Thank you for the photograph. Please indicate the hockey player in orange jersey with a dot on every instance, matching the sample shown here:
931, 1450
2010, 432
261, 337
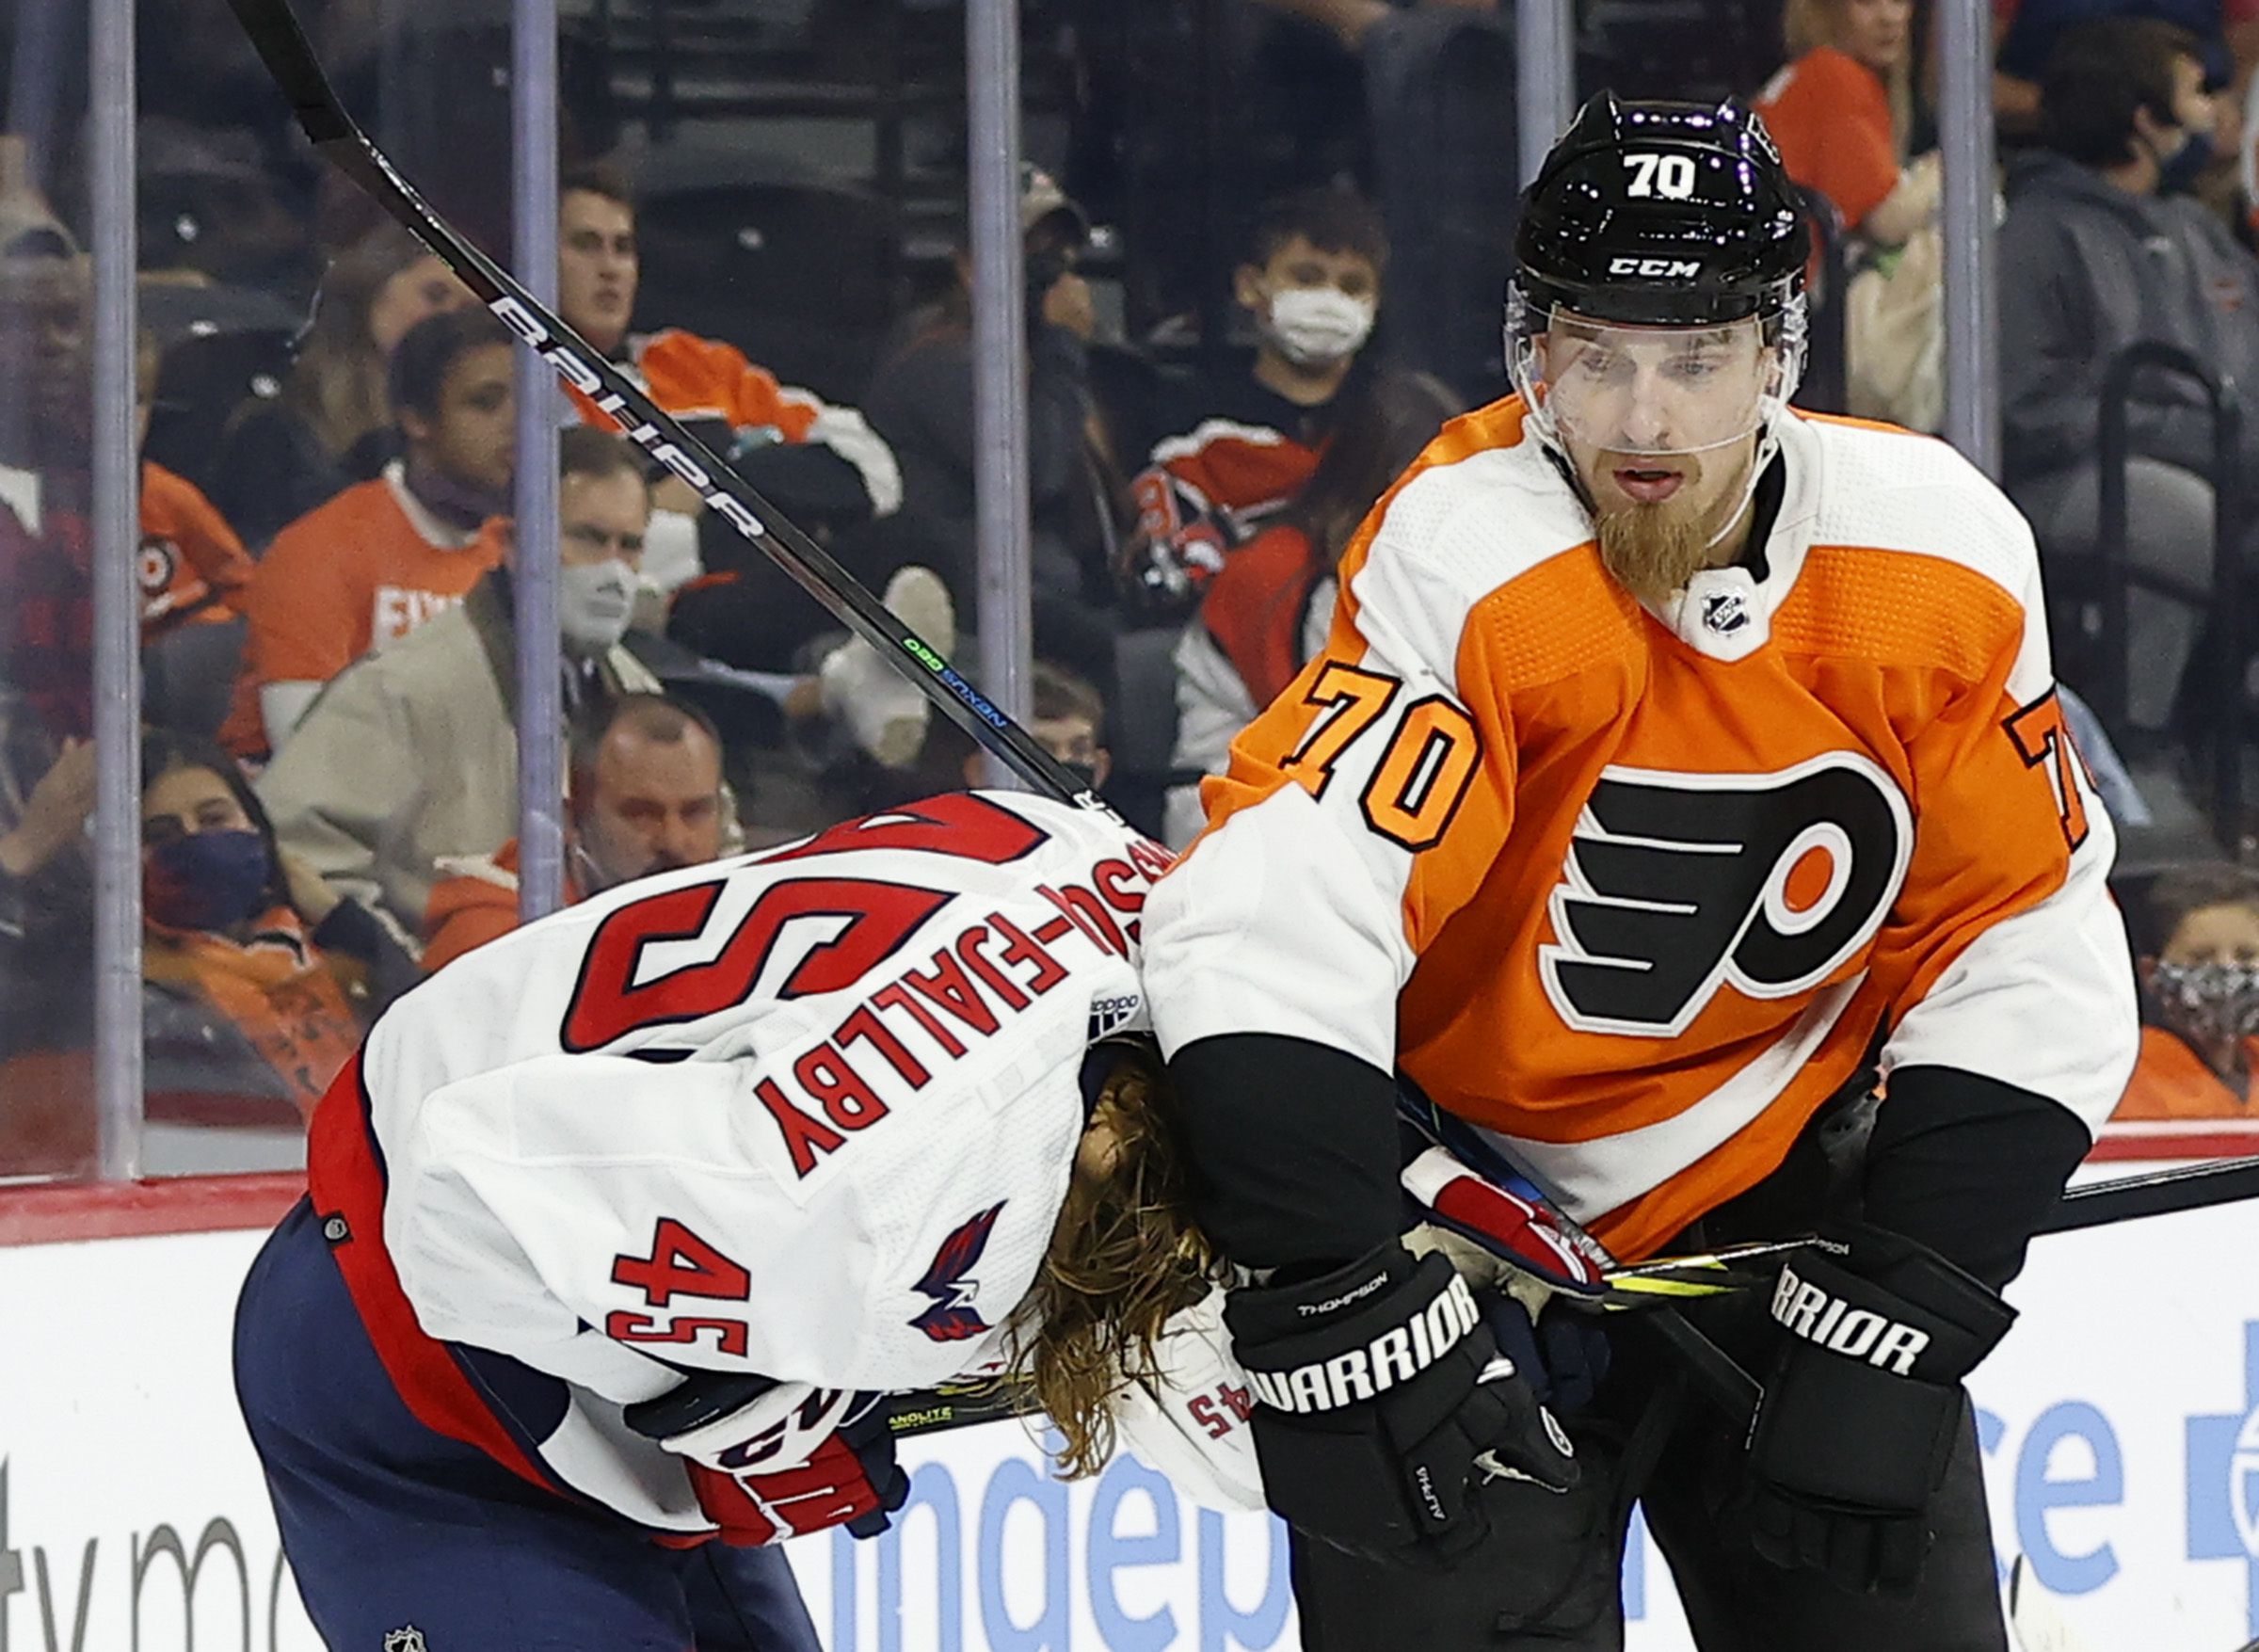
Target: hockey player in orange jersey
1675, 761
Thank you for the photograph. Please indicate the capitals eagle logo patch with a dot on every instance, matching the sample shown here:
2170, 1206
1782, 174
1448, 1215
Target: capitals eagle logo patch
949, 1281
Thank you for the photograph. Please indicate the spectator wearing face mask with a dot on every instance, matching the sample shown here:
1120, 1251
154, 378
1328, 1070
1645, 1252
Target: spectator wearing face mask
365, 569
647, 797
259, 980
2199, 1047
2099, 249
411, 754
1237, 451
1267, 611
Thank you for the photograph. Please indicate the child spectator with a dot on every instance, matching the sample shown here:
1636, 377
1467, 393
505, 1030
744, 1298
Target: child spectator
1233, 454
259, 980
1842, 114
385, 555
332, 424
194, 569
2202, 985
647, 797
1266, 611
1066, 716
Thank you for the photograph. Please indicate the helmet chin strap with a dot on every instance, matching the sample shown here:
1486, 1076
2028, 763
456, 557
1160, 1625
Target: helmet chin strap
1768, 443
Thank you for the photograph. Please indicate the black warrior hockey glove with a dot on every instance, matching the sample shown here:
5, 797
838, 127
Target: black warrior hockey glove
1377, 1389
1863, 1404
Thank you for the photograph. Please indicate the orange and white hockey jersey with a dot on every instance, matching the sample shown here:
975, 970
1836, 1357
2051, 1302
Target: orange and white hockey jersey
192, 568
1635, 890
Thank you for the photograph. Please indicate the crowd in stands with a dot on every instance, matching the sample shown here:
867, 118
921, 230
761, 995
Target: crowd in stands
329, 799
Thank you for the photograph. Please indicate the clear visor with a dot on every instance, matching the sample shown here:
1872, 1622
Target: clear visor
1650, 390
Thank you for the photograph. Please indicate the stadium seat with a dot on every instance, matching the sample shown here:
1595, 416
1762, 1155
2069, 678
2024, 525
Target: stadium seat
799, 275
201, 381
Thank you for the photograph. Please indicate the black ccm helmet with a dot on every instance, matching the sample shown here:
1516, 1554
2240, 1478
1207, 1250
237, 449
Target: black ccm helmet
1661, 215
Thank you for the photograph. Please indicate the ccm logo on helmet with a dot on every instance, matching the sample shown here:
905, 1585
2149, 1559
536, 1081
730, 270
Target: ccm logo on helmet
1394, 1357
1668, 269
1856, 1332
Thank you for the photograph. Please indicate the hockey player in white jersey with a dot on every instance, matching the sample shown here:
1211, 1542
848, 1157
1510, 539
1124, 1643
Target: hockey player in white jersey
848, 1116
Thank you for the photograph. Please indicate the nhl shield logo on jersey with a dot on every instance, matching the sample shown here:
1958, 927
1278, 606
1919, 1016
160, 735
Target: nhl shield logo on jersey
1678, 884
949, 1281
1724, 612
407, 1640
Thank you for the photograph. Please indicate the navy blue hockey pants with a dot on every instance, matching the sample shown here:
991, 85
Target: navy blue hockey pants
391, 1527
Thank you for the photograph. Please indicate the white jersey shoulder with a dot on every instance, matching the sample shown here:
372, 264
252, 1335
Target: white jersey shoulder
1888, 489
1455, 533
807, 1113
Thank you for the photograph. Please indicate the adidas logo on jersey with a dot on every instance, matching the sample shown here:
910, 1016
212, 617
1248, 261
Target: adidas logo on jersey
1395, 1356
1856, 1332
1109, 1015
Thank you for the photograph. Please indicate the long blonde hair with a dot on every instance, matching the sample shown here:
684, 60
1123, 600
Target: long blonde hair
337, 383
1125, 1256
1808, 25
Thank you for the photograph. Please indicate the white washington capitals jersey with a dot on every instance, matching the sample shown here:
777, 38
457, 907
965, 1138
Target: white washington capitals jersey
807, 1115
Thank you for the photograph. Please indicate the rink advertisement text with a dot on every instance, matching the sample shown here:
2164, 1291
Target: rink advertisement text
133, 1517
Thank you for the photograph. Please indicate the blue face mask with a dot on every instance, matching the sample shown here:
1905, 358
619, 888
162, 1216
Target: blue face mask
205, 880
2177, 172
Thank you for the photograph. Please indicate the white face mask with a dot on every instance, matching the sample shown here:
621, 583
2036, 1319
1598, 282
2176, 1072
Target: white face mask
595, 601
1314, 327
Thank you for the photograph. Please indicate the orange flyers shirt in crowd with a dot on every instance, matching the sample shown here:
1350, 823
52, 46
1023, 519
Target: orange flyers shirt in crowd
275, 990
2170, 1080
193, 568
362, 572
1830, 115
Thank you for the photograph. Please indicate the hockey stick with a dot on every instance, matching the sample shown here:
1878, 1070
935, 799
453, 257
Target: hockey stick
2161, 1192
955, 1405
1735, 1390
291, 64
1642, 1287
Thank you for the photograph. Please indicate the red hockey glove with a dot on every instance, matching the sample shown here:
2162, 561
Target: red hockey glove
1518, 1231
785, 1461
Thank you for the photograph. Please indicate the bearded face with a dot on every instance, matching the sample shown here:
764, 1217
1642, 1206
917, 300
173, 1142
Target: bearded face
1661, 521
1661, 425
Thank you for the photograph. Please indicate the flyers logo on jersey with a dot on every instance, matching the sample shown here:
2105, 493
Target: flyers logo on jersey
1678, 884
